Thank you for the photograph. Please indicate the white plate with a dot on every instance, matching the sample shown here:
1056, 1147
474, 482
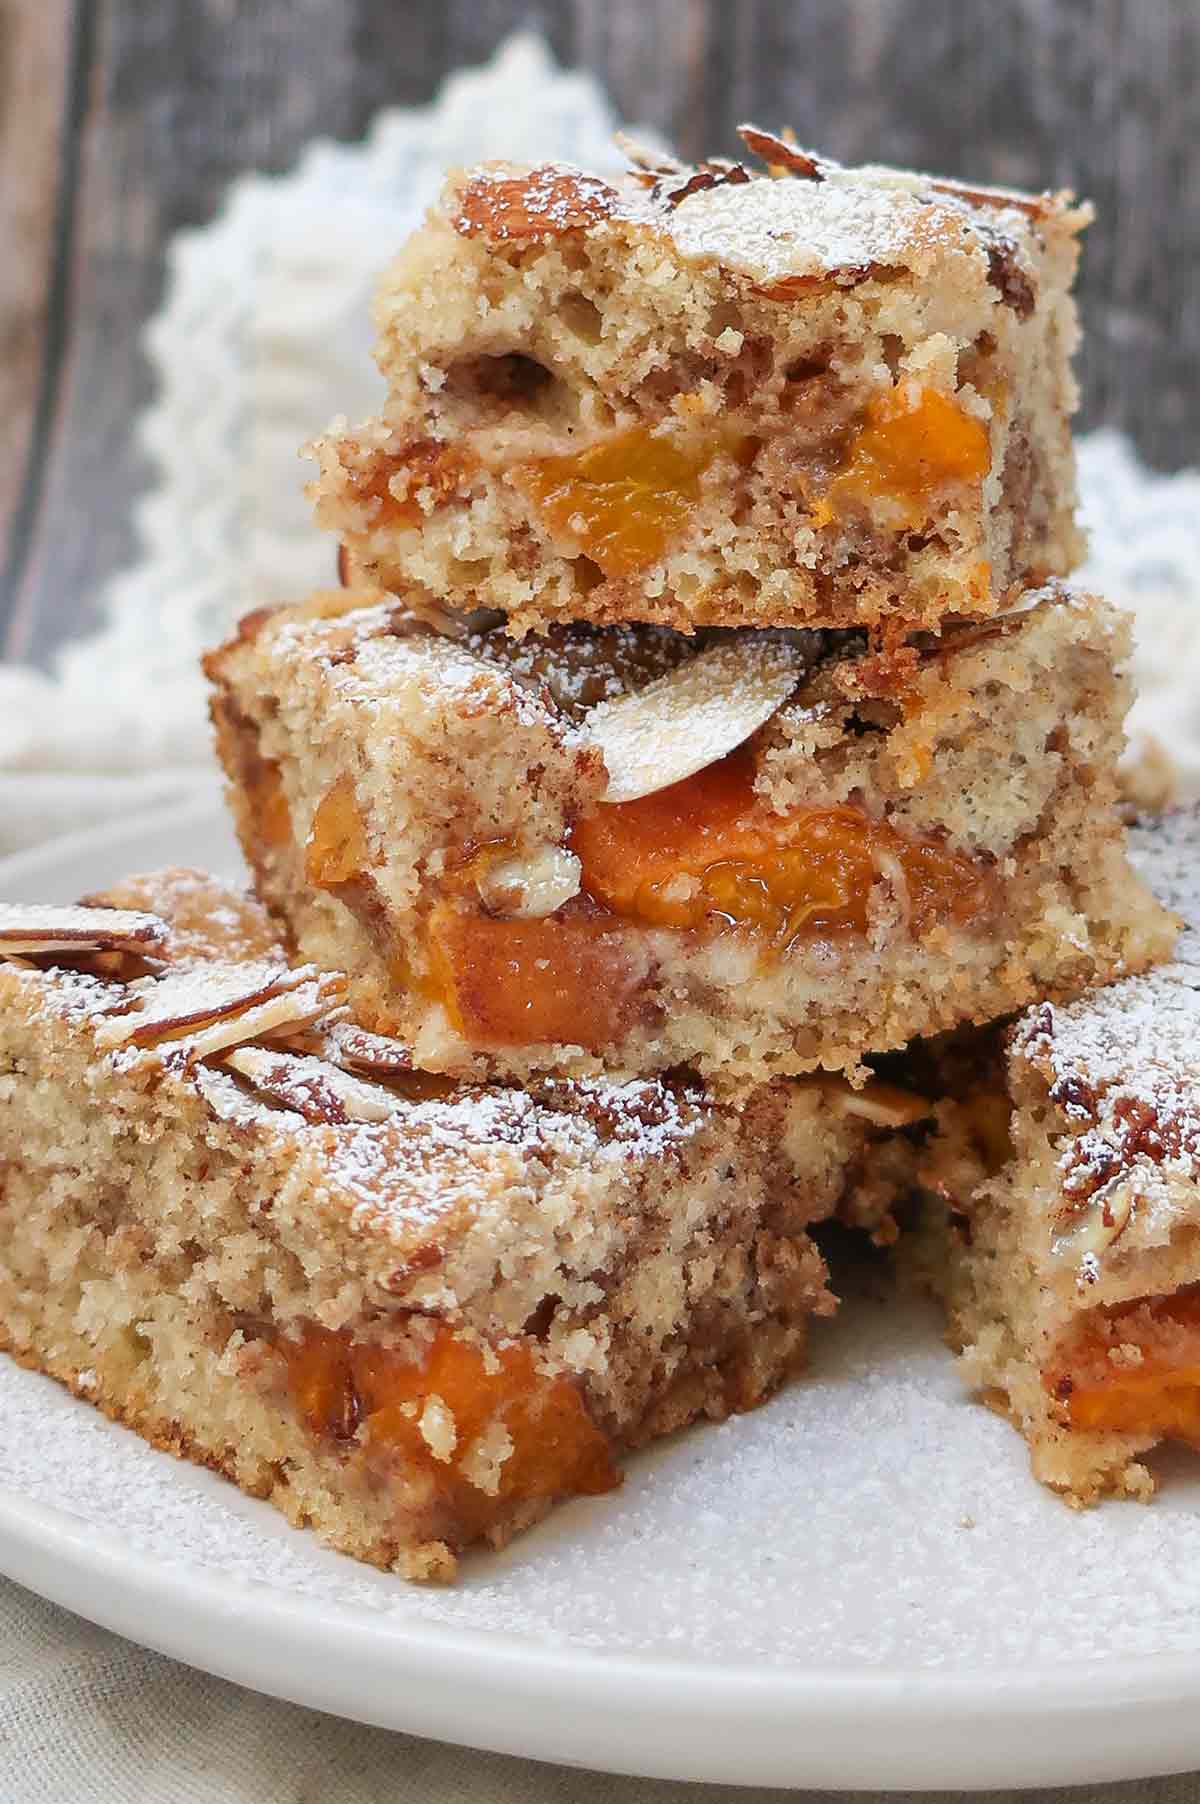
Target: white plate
857, 1586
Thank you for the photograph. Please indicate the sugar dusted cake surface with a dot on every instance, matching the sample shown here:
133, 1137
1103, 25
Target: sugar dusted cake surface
1071, 1266
411, 1313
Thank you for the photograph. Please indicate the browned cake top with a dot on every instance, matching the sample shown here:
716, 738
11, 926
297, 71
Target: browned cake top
805, 220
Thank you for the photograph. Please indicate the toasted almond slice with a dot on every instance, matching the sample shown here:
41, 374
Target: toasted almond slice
778, 154
692, 716
647, 157
290, 1011
1035, 206
42, 927
373, 1055
1097, 1227
883, 1105
311, 1086
190, 999
533, 885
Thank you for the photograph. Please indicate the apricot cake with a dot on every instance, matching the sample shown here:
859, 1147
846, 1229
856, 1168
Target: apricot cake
805, 396
410, 1314
1067, 1231
630, 849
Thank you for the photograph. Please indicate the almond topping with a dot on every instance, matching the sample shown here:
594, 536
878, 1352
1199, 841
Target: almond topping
311, 1087
544, 203
532, 886
1086, 1235
38, 928
693, 716
883, 1105
213, 1006
779, 154
373, 1054
1034, 206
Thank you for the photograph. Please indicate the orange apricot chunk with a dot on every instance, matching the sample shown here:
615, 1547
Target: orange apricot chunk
908, 450
1165, 1404
336, 850
619, 502
540, 1440
705, 852
567, 980
1158, 1395
268, 803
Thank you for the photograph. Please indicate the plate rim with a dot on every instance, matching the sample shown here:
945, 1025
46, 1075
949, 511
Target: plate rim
644, 1714
18, 867
648, 1716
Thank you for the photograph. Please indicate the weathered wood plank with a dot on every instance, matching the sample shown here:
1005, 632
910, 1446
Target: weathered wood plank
35, 44
183, 95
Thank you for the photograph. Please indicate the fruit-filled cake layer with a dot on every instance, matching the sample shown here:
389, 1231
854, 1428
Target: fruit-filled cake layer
412, 1315
719, 396
1065, 1209
628, 849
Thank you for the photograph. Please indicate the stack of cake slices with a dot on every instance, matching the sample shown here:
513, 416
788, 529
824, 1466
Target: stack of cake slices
701, 766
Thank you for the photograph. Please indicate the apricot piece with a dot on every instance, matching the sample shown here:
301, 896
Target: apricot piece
565, 979
622, 501
1159, 1395
1165, 1404
427, 467
268, 803
320, 1381
342, 1388
705, 852
908, 451
336, 850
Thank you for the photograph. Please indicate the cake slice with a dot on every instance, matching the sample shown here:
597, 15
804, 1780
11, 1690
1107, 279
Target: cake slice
626, 849
409, 1314
805, 395
1065, 1210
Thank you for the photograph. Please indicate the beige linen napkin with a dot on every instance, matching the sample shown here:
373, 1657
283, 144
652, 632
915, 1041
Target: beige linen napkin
86, 1718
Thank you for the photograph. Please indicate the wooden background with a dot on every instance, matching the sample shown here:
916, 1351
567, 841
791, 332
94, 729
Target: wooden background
122, 120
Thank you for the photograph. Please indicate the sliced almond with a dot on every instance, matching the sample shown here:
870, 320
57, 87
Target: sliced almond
311, 1086
532, 886
38, 928
692, 716
219, 1004
1034, 206
883, 1105
648, 157
374, 1055
1099, 1226
778, 154
536, 206
291, 1011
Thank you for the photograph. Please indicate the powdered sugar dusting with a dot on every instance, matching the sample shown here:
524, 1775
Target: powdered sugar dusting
774, 229
870, 1516
398, 1166
692, 716
1123, 1064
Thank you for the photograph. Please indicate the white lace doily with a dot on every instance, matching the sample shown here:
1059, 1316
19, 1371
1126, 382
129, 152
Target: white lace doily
264, 336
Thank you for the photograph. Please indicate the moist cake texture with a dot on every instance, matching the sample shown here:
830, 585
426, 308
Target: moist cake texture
410, 1314
629, 849
719, 396
1066, 1225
